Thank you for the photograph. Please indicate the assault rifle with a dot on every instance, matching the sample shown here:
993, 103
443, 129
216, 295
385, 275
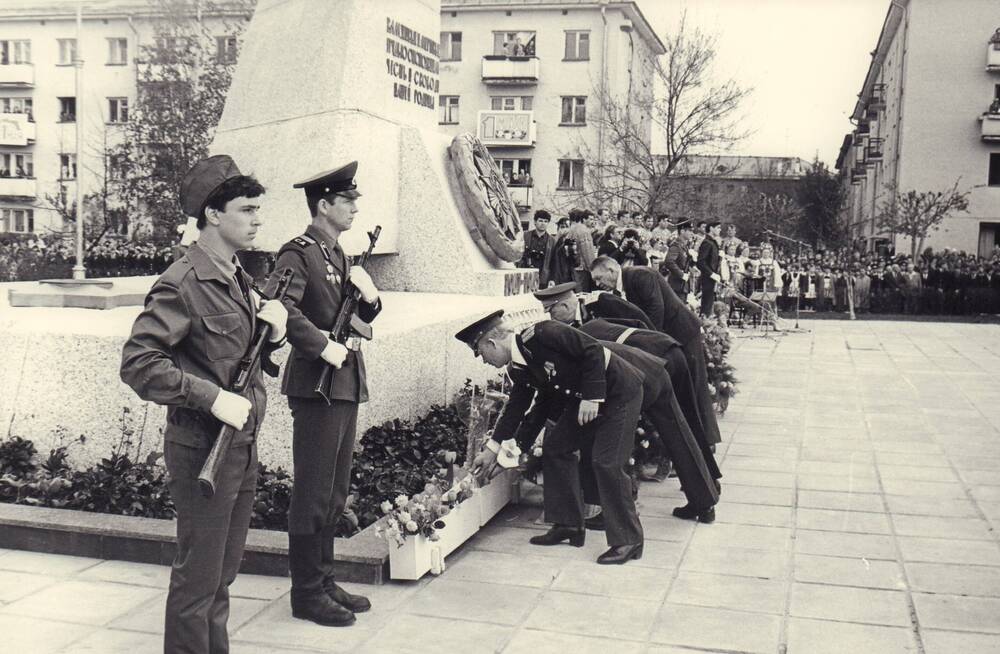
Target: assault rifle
241, 379
347, 320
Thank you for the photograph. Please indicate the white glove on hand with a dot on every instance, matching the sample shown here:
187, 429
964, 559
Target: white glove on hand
363, 282
685, 276
274, 313
334, 353
231, 409
715, 276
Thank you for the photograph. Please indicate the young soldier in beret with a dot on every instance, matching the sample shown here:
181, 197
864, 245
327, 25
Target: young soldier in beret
198, 321
594, 397
323, 434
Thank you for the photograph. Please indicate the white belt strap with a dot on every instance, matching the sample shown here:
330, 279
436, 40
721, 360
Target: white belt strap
624, 335
607, 357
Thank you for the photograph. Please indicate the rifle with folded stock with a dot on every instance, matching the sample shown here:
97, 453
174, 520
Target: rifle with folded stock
241, 379
347, 320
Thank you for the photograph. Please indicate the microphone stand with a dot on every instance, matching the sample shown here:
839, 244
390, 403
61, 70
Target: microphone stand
798, 294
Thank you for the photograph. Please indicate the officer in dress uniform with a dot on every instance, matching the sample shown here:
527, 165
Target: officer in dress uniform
648, 290
594, 398
323, 434
198, 322
680, 428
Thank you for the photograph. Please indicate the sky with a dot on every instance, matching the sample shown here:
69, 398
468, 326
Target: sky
805, 59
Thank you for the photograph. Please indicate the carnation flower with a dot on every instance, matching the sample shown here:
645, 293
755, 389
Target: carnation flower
411, 527
402, 500
644, 443
450, 457
537, 452
386, 506
404, 516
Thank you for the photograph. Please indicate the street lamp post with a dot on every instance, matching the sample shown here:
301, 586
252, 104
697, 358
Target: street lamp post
79, 271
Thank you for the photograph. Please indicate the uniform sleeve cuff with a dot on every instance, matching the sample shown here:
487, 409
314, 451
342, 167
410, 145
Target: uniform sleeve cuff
203, 394
493, 446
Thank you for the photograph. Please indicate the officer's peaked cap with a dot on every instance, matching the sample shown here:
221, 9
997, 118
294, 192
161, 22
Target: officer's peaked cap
471, 334
339, 181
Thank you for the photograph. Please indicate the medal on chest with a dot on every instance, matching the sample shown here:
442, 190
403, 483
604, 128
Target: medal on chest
550, 370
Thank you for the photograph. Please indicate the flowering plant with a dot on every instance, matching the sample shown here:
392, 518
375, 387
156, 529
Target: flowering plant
424, 513
721, 374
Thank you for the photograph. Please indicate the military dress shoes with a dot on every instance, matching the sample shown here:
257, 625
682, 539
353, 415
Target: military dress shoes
557, 534
354, 603
596, 523
688, 512
621, 554
321, 610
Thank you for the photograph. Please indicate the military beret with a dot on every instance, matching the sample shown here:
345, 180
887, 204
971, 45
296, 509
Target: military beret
471, 334
339, 181
555, 293
202, 180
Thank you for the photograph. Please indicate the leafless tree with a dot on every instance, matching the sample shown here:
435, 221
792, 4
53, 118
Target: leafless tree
915, 214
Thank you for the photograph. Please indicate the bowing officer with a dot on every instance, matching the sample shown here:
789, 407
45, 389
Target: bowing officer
594, 398
647, 289
602, 304
677, 421
323, 433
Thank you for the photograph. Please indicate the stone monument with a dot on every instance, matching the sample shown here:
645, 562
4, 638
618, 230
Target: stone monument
322, 83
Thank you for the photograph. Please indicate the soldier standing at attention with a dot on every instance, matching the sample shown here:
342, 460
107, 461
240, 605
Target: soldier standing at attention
323, 434
198, 322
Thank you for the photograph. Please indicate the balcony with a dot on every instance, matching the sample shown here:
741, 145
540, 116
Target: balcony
864, 128
990, 126
16, 129
876, 102
859, 173
511, 129
17, 76
520, 194
18, 188
501, 69
873, 152
993, 53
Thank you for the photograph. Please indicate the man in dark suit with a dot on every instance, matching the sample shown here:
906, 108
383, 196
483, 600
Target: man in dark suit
593, 397
709, 265
675, 266
323, 433
649, 291
678, 423
602, 304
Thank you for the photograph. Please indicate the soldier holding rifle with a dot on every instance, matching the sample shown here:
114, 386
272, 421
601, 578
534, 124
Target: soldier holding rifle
324, 419
198, 323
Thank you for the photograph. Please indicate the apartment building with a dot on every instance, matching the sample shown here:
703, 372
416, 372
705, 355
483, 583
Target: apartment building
928, 115
39, 110
527, 77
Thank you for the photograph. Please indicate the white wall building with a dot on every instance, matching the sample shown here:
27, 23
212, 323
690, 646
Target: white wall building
526, 77
39, 110
923, 123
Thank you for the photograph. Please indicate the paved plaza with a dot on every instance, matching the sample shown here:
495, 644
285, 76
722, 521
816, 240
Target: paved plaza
860, 510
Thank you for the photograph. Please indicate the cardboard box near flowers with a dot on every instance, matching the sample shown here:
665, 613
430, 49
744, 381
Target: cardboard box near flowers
426, 528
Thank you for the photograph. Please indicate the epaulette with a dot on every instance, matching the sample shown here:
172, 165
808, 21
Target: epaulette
304, 241
528, 333
590, 298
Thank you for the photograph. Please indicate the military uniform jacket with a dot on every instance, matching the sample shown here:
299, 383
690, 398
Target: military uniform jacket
649, 291
313, 301
602, 304
187, 344
676, 264
562, 364
656, 343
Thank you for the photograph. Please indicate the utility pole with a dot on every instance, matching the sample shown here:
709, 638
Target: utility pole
79, 271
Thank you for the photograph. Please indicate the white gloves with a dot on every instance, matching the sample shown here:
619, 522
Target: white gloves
715, 277
334, 353
685, 276
231, 409
274, 313
364, 283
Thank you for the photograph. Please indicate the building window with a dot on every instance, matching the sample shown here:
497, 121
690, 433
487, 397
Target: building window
117, 110
511, 102
571, 174
15, 52
574, 110
994, 176
17, 220
16, 165
226, 49
67, 166
67, 51
17, 106
169, 49
449, 110
67, 110
117, 52
451, 46
577, 46
514, 44
516, 172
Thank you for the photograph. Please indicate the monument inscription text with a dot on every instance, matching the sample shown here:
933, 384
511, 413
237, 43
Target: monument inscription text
413, 64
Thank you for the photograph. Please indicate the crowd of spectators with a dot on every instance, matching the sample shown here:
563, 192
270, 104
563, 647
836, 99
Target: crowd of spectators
946, 282
35, 257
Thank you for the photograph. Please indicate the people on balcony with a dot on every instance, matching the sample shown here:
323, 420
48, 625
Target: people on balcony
994, 106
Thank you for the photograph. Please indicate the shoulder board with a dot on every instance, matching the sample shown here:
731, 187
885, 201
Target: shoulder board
304, 241
528, 333
590, 298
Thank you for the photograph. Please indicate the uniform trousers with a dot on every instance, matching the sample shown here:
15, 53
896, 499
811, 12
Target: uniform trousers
211, 534
687, 399
707, 296
608, 439
694, 352
322, 453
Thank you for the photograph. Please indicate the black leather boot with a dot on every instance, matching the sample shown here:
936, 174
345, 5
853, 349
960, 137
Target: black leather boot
354, 603
557, 534
309, 599
621, 554
688, 512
